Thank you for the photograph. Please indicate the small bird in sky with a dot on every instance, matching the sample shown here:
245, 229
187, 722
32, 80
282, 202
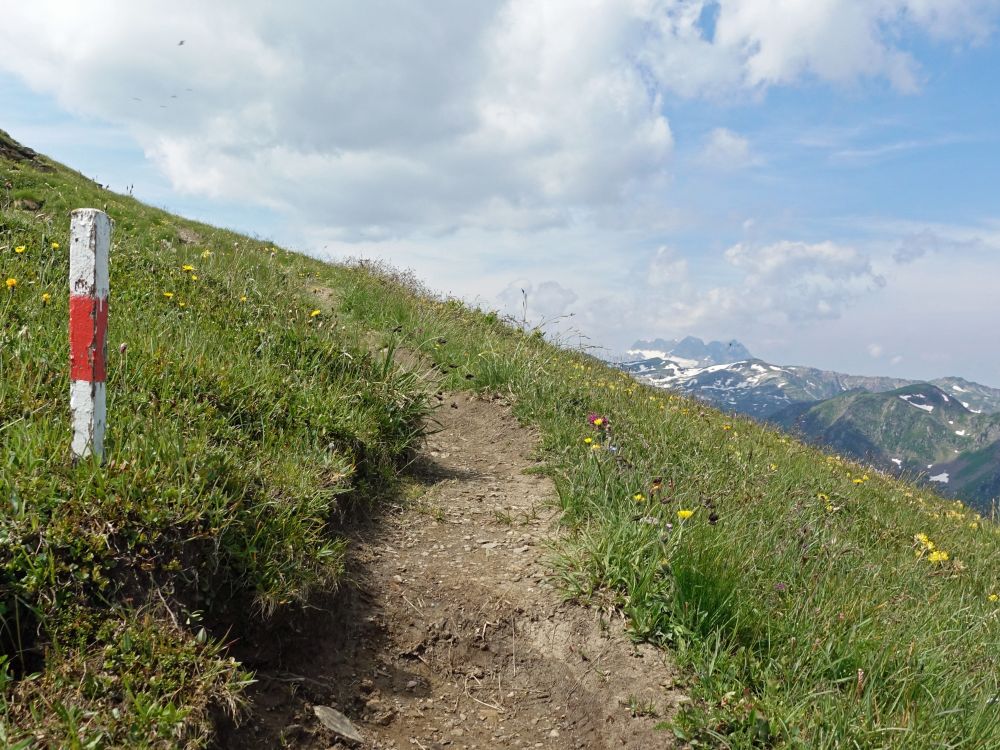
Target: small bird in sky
180, 43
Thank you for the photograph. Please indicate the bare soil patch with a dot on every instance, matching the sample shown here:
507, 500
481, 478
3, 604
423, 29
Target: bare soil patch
447, 634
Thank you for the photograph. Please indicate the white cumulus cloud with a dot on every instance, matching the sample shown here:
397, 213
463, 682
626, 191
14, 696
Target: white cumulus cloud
802, 280
390, 117
724, 149
540, 303
667, 267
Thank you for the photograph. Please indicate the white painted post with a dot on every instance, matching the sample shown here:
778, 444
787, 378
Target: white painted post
90, 239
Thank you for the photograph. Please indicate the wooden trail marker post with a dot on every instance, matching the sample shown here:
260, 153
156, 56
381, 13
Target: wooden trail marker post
90, 240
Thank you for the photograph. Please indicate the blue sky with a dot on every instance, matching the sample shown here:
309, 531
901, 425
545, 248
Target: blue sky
813, 177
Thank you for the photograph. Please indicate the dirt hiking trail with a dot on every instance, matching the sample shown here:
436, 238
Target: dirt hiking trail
446, 633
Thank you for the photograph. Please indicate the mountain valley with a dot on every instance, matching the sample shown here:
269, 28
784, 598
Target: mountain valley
945, 432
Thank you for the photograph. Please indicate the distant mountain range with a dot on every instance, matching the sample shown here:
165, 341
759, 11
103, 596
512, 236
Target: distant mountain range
692, 349
946, 431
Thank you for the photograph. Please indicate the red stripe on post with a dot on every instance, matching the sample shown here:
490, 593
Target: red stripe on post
88, 336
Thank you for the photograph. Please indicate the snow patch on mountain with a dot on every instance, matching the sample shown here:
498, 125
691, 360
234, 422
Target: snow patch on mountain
925, 407
665, 356
942, 477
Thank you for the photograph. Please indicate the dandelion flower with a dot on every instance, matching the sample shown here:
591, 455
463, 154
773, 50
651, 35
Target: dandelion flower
243, 298
684, 514
727, 427
55, 245
187, 267
168, 295
314, 313
937, 556
46, 298
11, 283
20, 249
588, 440
638, 497
194, 277
993, 597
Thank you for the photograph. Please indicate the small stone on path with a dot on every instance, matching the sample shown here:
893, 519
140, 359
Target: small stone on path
337, 723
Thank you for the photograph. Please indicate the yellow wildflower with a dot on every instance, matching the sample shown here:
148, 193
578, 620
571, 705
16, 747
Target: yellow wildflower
684, 514
20, 249
588, 440
638, 497
194, 277
11, 283
55, 245
182, 304
937, 556
727, 427
168, 295
822, 496
859, 481
243, 298
314, 313
187, 267
46, 298
206, 254
993, 597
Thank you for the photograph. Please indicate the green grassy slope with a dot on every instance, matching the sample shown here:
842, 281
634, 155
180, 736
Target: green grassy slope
238, 420
880, 427
812, 602
816, 603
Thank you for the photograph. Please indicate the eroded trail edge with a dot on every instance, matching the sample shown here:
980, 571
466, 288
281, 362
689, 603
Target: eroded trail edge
447, 632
